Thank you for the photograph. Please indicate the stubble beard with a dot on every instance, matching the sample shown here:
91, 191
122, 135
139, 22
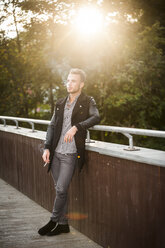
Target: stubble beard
74, 91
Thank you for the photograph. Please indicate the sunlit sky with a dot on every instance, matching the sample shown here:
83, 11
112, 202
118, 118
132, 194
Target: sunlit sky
87, 20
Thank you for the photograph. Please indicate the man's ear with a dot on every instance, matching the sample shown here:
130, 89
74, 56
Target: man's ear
81, 85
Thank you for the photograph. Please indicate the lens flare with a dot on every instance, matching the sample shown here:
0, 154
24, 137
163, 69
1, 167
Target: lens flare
76, 216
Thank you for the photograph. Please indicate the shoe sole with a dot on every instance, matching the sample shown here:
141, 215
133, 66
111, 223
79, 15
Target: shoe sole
50, 234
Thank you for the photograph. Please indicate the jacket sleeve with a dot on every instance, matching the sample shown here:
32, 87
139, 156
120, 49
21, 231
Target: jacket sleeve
93, 117
50, 132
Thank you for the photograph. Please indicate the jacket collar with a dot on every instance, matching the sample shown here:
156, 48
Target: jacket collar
81, 101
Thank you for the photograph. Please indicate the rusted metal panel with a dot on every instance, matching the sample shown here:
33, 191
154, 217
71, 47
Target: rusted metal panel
128, 199
21, 166
118, 203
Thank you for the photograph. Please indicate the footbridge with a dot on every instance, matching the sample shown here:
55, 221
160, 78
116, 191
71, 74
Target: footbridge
117, 201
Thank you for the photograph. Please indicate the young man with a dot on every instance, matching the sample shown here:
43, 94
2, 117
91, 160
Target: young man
65, 145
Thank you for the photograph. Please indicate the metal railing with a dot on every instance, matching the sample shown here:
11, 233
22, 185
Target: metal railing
27, 120
123, 130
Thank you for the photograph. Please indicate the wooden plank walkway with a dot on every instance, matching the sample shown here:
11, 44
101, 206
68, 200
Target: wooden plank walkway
20, 219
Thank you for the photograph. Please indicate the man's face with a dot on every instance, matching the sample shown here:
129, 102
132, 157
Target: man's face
74, 84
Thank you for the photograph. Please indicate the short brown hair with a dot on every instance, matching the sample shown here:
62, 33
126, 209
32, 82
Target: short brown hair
79, 72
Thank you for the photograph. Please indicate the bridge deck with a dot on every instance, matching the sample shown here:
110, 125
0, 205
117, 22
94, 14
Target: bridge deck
20, 218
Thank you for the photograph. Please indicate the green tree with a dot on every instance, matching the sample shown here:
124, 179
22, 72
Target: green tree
124, 65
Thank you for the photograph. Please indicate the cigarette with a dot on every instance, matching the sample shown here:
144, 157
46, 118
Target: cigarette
45, 164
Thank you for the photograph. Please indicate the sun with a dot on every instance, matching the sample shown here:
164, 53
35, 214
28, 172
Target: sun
88, 21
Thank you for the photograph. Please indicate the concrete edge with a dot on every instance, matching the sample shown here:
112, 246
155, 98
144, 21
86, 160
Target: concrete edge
143, 155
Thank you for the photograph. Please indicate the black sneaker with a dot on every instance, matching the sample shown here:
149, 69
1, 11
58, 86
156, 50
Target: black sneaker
59, 229
47, 228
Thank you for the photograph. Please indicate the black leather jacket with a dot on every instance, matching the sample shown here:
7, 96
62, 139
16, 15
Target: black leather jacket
85, 115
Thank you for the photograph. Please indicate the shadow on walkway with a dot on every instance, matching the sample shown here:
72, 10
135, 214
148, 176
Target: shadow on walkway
20, 219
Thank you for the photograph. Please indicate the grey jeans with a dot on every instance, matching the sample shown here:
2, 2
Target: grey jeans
62, 170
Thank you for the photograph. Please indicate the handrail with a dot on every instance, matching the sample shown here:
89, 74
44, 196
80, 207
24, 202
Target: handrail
126, 131
45, 122
137, 131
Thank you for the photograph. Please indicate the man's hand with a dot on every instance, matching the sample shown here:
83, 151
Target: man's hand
46, 156
70, 134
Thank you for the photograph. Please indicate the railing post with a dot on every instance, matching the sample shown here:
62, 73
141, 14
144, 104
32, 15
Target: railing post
4, 122
88, 137
131, 147
16, 122
32, 124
